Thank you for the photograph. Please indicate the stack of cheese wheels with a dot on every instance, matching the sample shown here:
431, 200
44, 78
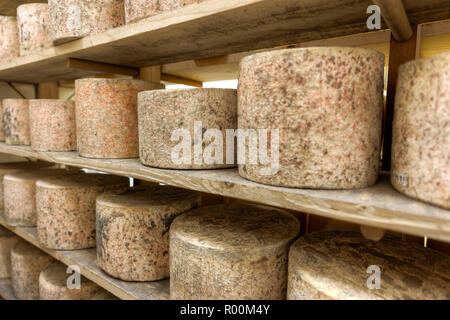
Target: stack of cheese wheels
421, 130
6, 168
343, 265
186, 128
7, 241
16, 121
139, 9
317, 113
74, 19
52, 125
133, 230
9, 38
234, 251
66, 208
19, 196
27, 262
34, 35
106, 116
57, 282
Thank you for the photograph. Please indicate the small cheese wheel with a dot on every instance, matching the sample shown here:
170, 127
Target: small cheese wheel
9, 38
231, 251
52, 125
343, 265
139, 9
133, 230
16, 121
421, 130
7, 241
327, 105
27, 262
194, 113
20, 195
33, 23
106, 116
74, 19
66, 208
55, 283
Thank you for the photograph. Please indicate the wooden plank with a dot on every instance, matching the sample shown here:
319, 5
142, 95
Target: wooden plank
394, 14
378, 206
180, 80
6, 291
8, 7
209, 29
86, 260
100, 67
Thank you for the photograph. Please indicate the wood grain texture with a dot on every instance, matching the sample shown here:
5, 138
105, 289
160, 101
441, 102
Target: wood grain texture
378, 206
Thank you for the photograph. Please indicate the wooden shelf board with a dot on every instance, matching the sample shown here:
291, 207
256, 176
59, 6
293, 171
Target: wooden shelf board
86, 260
6, 291
209, 29
379, 206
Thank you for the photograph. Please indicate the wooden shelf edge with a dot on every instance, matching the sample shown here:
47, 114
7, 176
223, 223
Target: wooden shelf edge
378, 206
85, 260
6, 291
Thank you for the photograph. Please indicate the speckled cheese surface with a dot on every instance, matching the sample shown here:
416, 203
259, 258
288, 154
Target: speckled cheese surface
333, 265
9, 38
54, 280
27, 262
20, 195
7, 241
231, 251
74, 19
52, 125
66, 208
327, 104
163, 112
421, 130
139, 9
106, 116
133, 230
33, 24
2, 135
16, 121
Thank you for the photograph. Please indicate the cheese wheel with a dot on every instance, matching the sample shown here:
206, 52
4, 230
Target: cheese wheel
16, 121
9, 38
27, 262
139, 9
57, 282
33, 23
66, 208
421, 130
317, 114
7, 241
20, 195
52, 125
133, 230
106, 116
170, 119
343, 265
2, 135
74, 19
232, 251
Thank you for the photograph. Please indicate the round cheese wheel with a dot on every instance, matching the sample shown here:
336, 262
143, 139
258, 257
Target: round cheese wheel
139, 9
16, 121
33, 23
9, 38
7, 241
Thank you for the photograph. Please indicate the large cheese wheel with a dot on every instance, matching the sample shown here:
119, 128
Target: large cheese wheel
106, 116
171, 119
52, 125
421, 130
133, 230
232, 251
16, 121
9, 38
344, 265
27, 262
74, 19
327, 105
33, 23
19, 196
55, 283
7, 241
139, 9
66, 208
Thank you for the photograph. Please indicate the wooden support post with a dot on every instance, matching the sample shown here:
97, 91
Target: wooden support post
48, 90
152, 73
395, 16
399, 53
